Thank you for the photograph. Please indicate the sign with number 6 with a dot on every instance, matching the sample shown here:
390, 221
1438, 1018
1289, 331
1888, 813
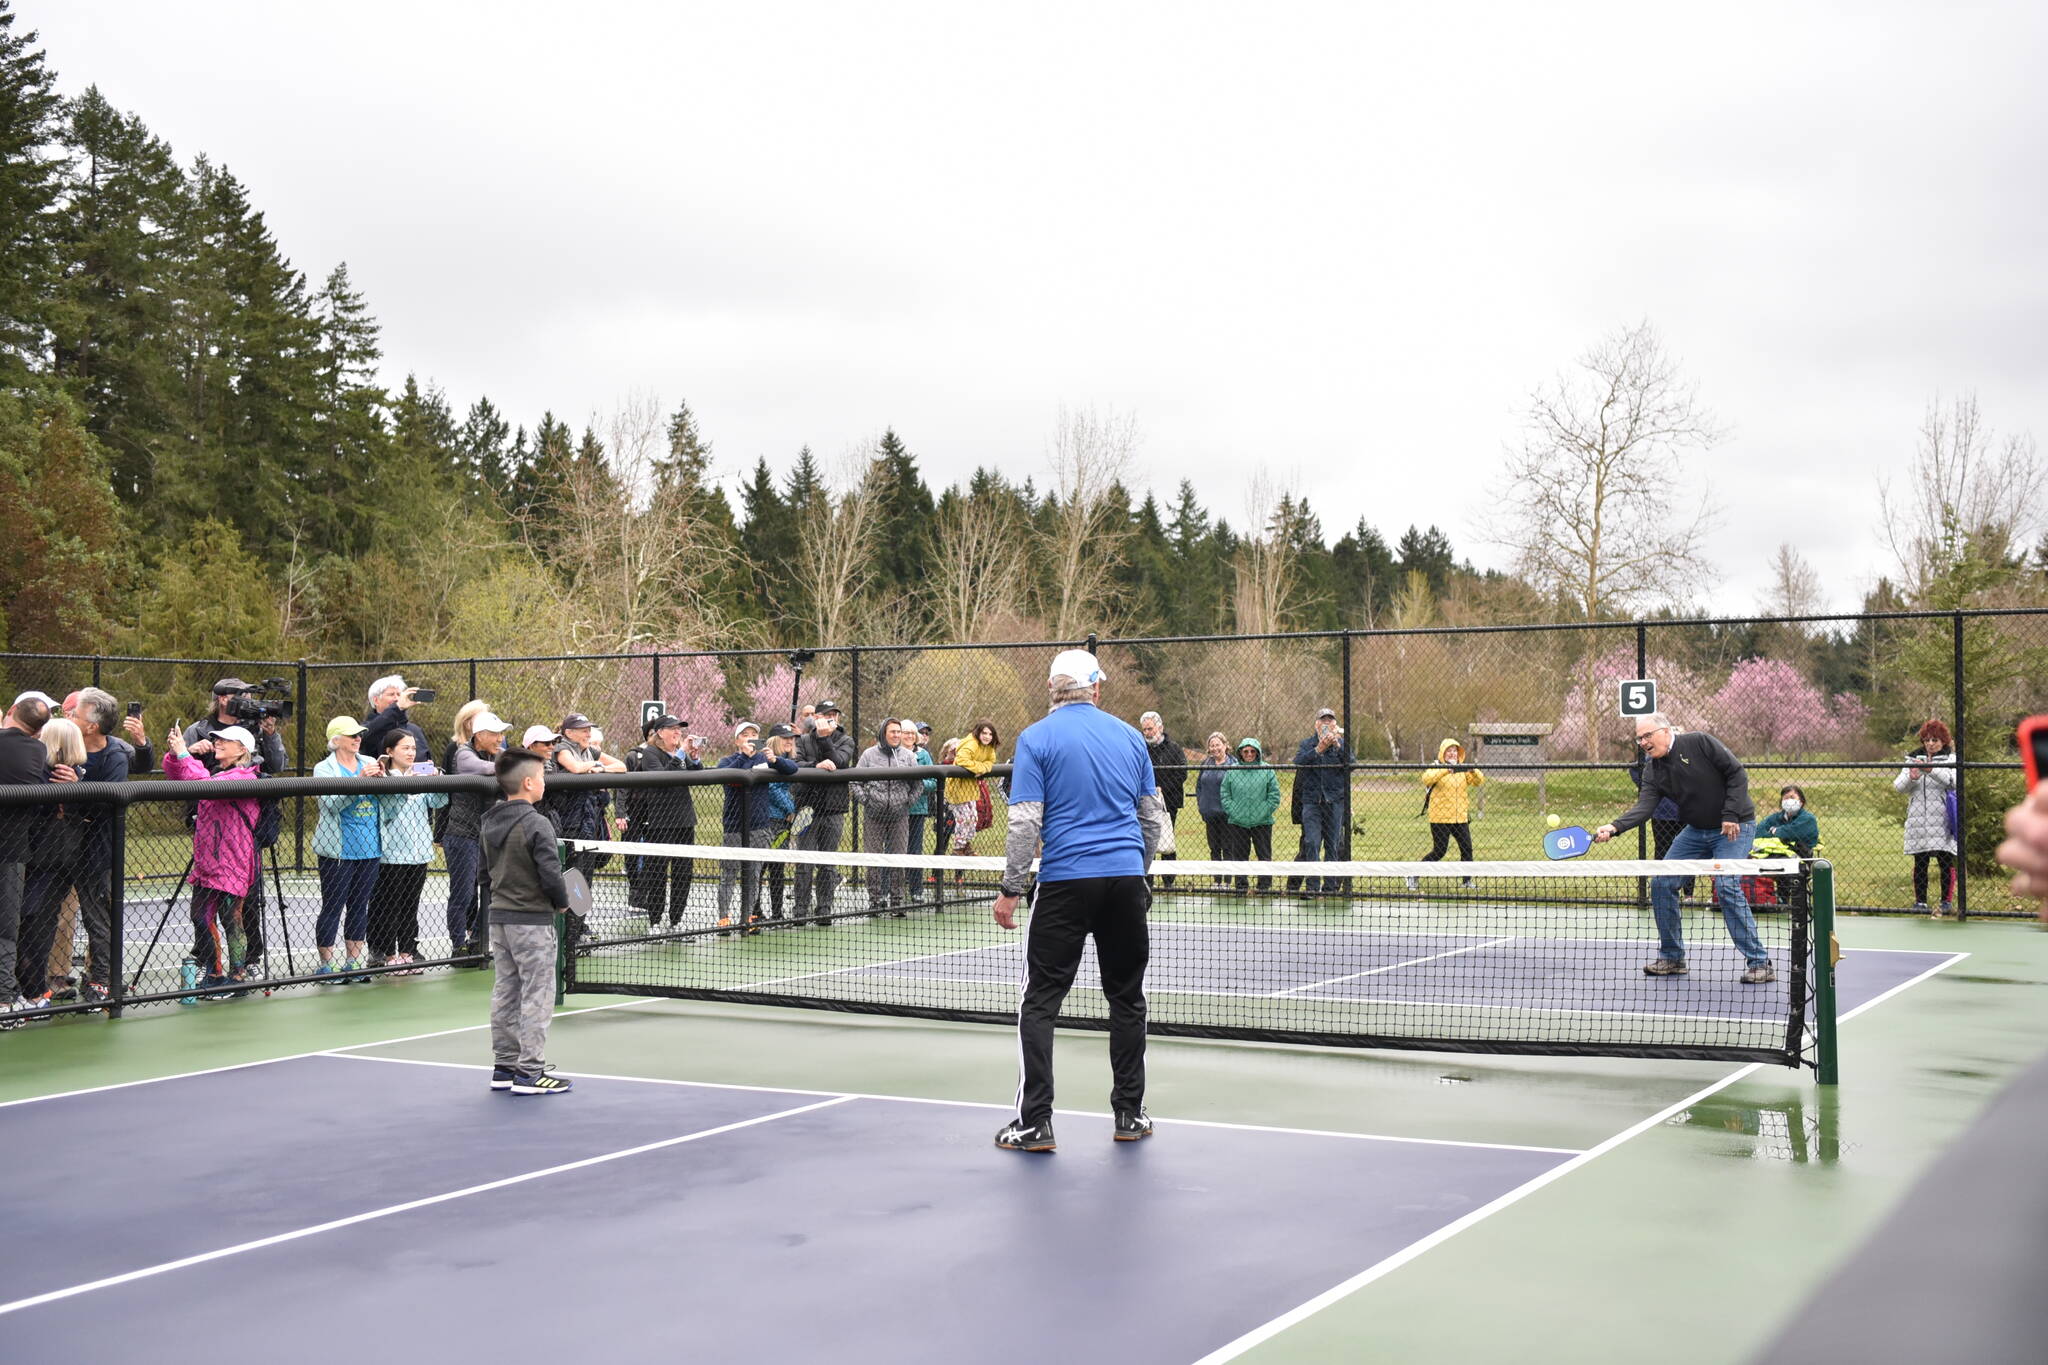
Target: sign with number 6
1638, 697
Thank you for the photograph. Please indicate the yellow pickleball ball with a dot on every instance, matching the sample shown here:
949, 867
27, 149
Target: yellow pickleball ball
1552, 820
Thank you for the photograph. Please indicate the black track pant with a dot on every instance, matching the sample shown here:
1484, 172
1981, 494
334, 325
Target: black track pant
1440, 837
1948, 875
1062, 917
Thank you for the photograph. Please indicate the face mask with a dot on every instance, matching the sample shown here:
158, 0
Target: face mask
1790, 805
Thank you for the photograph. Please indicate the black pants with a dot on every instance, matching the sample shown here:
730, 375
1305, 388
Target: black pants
660, 886
42, 907
1218, 829
1062, 917
395, 909
1247, 842
1948, 875
1440, 837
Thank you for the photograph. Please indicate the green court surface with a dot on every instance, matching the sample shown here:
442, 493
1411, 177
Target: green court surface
1703, 1211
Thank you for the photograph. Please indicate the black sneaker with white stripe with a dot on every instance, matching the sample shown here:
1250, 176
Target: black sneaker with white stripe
1132, 1125
542, 1082
1019, 1136
502, 1077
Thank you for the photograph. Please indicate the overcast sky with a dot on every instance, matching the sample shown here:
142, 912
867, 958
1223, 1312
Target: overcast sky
1343, 242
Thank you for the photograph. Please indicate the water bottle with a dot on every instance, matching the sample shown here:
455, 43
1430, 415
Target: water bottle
188, 972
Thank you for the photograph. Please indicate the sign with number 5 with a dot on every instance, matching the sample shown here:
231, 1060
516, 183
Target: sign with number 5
1639, 697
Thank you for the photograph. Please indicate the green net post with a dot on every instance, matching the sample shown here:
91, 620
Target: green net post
1825, 952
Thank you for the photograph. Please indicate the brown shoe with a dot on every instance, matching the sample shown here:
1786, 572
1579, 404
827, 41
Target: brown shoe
1664, 966
1759, 974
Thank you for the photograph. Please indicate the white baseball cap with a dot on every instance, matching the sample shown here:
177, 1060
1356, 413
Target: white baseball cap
1077, 664
743, 727
43, 697
491, 721
535, 734
238, 735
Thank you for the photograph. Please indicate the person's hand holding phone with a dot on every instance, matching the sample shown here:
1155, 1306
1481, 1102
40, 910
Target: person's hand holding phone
137, 732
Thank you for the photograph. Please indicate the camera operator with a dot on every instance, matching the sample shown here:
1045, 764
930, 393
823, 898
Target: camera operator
391, 703
578, 751
237, 705
661, 886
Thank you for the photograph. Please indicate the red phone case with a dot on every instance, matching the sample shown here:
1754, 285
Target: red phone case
2034, 748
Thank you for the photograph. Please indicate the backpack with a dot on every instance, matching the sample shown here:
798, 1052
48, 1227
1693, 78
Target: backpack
1952, 809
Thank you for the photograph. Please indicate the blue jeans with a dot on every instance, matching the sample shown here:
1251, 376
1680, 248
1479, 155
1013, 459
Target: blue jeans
1322, 833
345, 884
1707, 843
466, 869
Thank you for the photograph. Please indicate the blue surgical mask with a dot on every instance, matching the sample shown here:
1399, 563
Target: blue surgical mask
1790, 805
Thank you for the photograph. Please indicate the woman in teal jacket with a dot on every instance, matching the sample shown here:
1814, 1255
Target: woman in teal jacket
408, 846
1251, 793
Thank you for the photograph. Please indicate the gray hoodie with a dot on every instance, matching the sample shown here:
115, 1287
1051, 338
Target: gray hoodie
886, 800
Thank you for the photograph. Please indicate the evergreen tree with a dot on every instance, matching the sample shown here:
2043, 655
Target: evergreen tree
768, 544
424, 440
29, 186
110, 318
63, 561
903, 532
1364, 576
1427, 553
349, 483
480, 450
1148, 570
804, 491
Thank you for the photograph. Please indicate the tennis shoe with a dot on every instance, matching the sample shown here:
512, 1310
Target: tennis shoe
502, 1077
541, 1082
328, 974
1665, 966
1758, 973
1019, 1136
1132, 1125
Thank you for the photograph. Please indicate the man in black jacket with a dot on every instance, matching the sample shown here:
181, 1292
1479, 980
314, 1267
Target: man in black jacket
830, 749
661, 886
1711, 790
1170, 771
23, 762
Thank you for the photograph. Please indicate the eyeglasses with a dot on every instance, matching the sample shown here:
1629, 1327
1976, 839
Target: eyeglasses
1647, 735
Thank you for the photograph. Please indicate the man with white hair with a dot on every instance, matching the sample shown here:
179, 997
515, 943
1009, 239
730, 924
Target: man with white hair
1082, 786
1170, 771
391, 704
1711, 790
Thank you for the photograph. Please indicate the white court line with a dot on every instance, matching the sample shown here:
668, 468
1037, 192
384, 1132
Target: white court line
1391, 966
976, 1104
1880, 999
128, 1277
295, 1056
1266, 1331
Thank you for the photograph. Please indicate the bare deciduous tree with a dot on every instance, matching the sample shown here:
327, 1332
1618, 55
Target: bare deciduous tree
628, 551
977, 567
1265, 565
1594, 505
1966, 491
1092, 455
1795, 587
835, 559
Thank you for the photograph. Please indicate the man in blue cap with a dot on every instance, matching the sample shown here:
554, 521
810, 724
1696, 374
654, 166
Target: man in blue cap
1082, 785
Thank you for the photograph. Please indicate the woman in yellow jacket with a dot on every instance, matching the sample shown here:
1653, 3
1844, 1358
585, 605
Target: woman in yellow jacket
1449, 803
977, 754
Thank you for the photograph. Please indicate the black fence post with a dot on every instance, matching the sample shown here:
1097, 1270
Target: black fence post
117, 911
1962, 797
1642, 830
1350, 736
472, 679
852, 806
96, 661
655, 695
302, 768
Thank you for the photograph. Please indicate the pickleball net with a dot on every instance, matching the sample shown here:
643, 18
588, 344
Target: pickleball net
1504, 957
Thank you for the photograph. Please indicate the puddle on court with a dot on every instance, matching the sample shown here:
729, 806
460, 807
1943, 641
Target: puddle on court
1797, 1131
1993, 980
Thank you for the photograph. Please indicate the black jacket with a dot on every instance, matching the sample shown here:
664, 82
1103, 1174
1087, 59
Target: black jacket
1170, 771
652, 814
378, 725
1706, 782
825, 798
24, 762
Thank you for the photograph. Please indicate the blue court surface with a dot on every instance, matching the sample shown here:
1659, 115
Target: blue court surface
677, 1221
300, 1203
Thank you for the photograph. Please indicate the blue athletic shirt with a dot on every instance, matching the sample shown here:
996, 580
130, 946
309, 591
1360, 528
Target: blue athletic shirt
1090, 770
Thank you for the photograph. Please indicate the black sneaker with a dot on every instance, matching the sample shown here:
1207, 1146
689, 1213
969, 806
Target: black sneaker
502, 1077
542, 1082
1020, 1136
1132, 1125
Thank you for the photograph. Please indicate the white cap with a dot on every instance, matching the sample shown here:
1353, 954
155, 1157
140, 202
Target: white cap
1077, 664
491, 721
535, 734
44, 697
743, 727
238, 735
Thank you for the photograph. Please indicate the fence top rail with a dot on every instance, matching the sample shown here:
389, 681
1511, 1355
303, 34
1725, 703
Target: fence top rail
147, 659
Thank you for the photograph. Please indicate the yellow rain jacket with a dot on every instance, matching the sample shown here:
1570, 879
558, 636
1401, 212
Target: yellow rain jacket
1450, 800
976, 757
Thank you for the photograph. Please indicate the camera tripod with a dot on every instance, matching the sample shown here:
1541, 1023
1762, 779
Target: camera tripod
284, 925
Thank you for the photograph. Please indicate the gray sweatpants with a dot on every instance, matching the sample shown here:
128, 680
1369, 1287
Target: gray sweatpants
823, 835
886, 834
523, 997
744, 874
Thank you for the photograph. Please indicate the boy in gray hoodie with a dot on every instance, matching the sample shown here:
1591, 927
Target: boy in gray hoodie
887, 805
527, 893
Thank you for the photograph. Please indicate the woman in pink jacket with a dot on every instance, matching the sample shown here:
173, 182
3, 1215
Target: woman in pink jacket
223, 851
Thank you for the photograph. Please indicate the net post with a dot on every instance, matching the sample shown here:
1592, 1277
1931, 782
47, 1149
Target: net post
1826, 1062
561, 939
117, 909
1962, 886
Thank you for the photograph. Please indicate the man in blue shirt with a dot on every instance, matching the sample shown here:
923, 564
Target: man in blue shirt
1083, 785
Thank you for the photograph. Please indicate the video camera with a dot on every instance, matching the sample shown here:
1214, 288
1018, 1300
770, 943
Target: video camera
271, 697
